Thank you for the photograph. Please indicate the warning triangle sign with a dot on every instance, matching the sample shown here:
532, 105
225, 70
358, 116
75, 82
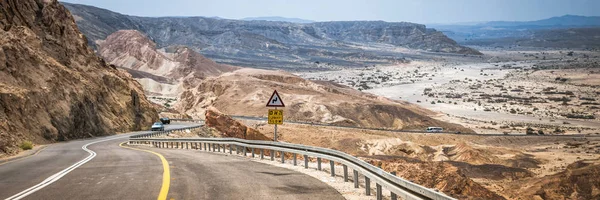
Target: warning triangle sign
275, 100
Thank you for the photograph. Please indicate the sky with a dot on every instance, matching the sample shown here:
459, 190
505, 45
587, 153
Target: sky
418, 11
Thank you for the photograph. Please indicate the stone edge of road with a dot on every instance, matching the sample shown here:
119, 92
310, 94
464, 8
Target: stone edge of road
166, 180
18, 157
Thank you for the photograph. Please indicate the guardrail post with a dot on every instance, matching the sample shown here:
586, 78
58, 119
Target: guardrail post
295, 163
262, 154
209, 144
218, 147
229, 148
272, 155
205, 146
305, 161
378, 190
187, 145
355, 177
252, 149
345, 173
244, 151
367, 186
319, 164
393, 195
332, 165
282, 156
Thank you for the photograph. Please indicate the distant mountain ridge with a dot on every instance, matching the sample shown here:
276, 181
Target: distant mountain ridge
568, 31
562, 21
269, 44
279, 19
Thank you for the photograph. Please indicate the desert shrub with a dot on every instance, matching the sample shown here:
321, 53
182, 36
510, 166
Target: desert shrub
529, 131
540, 132
26, 145
579, 116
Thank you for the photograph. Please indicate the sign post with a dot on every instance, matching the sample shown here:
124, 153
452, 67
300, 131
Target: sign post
275, 116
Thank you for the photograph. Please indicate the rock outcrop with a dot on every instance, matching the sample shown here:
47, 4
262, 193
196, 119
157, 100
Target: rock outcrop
245, 92
160, 71
53, 86
439, 175
230, 127
580, 180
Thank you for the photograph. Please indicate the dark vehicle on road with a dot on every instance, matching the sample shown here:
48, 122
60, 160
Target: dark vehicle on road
165, 120
158, 126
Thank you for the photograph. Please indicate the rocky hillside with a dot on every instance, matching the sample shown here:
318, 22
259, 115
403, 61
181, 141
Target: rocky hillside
53, 86
160, 71
245, 91
275, 44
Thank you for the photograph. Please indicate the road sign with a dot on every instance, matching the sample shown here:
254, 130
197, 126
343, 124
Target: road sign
275, 116
275, 100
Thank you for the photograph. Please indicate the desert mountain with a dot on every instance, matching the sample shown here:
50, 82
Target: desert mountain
566, 21
568, 31
160, 71
278, 19
245, 92
273, 44
53, 86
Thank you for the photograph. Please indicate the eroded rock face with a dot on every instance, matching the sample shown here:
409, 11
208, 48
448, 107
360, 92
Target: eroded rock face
230, 127
160, 71
439, 175
581, 180
279, 45
53, 87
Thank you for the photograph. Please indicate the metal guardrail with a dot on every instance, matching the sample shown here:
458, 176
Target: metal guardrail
161, 133
396, 185
412, 131
188, 120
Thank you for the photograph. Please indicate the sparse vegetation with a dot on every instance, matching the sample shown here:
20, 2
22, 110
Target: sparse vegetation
26, 145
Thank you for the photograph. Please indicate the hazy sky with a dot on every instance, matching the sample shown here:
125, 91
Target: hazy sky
419, 11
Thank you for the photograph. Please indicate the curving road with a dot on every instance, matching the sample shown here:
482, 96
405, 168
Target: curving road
119, 173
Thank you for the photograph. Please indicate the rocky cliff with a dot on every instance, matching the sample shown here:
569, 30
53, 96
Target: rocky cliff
53, 86
160, 71
273, 44
230, 128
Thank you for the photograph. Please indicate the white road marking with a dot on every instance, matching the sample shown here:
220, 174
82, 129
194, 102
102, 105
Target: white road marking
62, 173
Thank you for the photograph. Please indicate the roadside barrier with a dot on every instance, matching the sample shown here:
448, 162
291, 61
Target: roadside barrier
164, 133
397, 186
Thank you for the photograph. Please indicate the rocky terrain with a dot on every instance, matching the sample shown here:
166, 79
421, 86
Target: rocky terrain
245, 91
270, 44
160, 71
462, 166
53, 86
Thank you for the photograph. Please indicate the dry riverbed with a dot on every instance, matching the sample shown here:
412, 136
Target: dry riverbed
549, 92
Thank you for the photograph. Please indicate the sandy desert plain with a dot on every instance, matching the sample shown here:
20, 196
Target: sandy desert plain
502, 92
522, 96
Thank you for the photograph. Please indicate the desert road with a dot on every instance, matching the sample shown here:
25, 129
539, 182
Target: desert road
105, 168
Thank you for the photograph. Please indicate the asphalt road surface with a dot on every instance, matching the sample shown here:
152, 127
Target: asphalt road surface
120, 173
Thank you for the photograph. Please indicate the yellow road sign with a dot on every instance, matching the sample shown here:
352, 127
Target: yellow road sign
275, 116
